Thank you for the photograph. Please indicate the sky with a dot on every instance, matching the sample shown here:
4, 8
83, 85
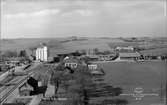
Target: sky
86, 18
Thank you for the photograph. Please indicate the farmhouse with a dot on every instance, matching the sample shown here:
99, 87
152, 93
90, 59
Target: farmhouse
95, 69
92, 66
42, 53
129, 56
71, 62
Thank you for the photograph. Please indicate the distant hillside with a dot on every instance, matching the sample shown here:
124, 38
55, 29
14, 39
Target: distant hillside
73, 43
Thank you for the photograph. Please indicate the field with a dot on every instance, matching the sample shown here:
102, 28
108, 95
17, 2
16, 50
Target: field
151, 76
68, 44
157, 51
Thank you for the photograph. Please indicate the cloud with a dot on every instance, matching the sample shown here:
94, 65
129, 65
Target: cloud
42, 13
84, 17
78, 12
84, 12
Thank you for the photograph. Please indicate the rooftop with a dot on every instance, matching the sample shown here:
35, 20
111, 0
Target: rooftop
129, 54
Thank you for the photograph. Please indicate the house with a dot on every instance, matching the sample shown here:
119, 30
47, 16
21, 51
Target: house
42, 53
28, 87
129, 56
31, 87
71, 62
95, 69
25, 89
92, 66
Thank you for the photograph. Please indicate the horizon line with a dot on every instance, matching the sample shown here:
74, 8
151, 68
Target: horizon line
87, 37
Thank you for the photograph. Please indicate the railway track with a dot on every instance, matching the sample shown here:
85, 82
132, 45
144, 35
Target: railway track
10, 84
5, 91
13, 81
4, 97
10, 89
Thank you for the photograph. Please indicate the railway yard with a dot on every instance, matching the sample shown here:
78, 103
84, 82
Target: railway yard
13, 81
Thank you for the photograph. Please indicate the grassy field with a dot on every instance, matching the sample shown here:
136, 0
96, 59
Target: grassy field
58, 45
157, 51
150, 76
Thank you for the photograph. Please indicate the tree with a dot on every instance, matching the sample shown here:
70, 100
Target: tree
23, 53
96, 50
75, 81
10, 54
32, 49
56, 80
106, 52
80, 82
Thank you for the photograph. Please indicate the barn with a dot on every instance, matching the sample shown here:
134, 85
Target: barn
129, 56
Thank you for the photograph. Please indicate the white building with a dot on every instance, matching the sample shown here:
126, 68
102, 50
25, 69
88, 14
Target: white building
42, 53
92, 67
70, 62
128, 48
90, 52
